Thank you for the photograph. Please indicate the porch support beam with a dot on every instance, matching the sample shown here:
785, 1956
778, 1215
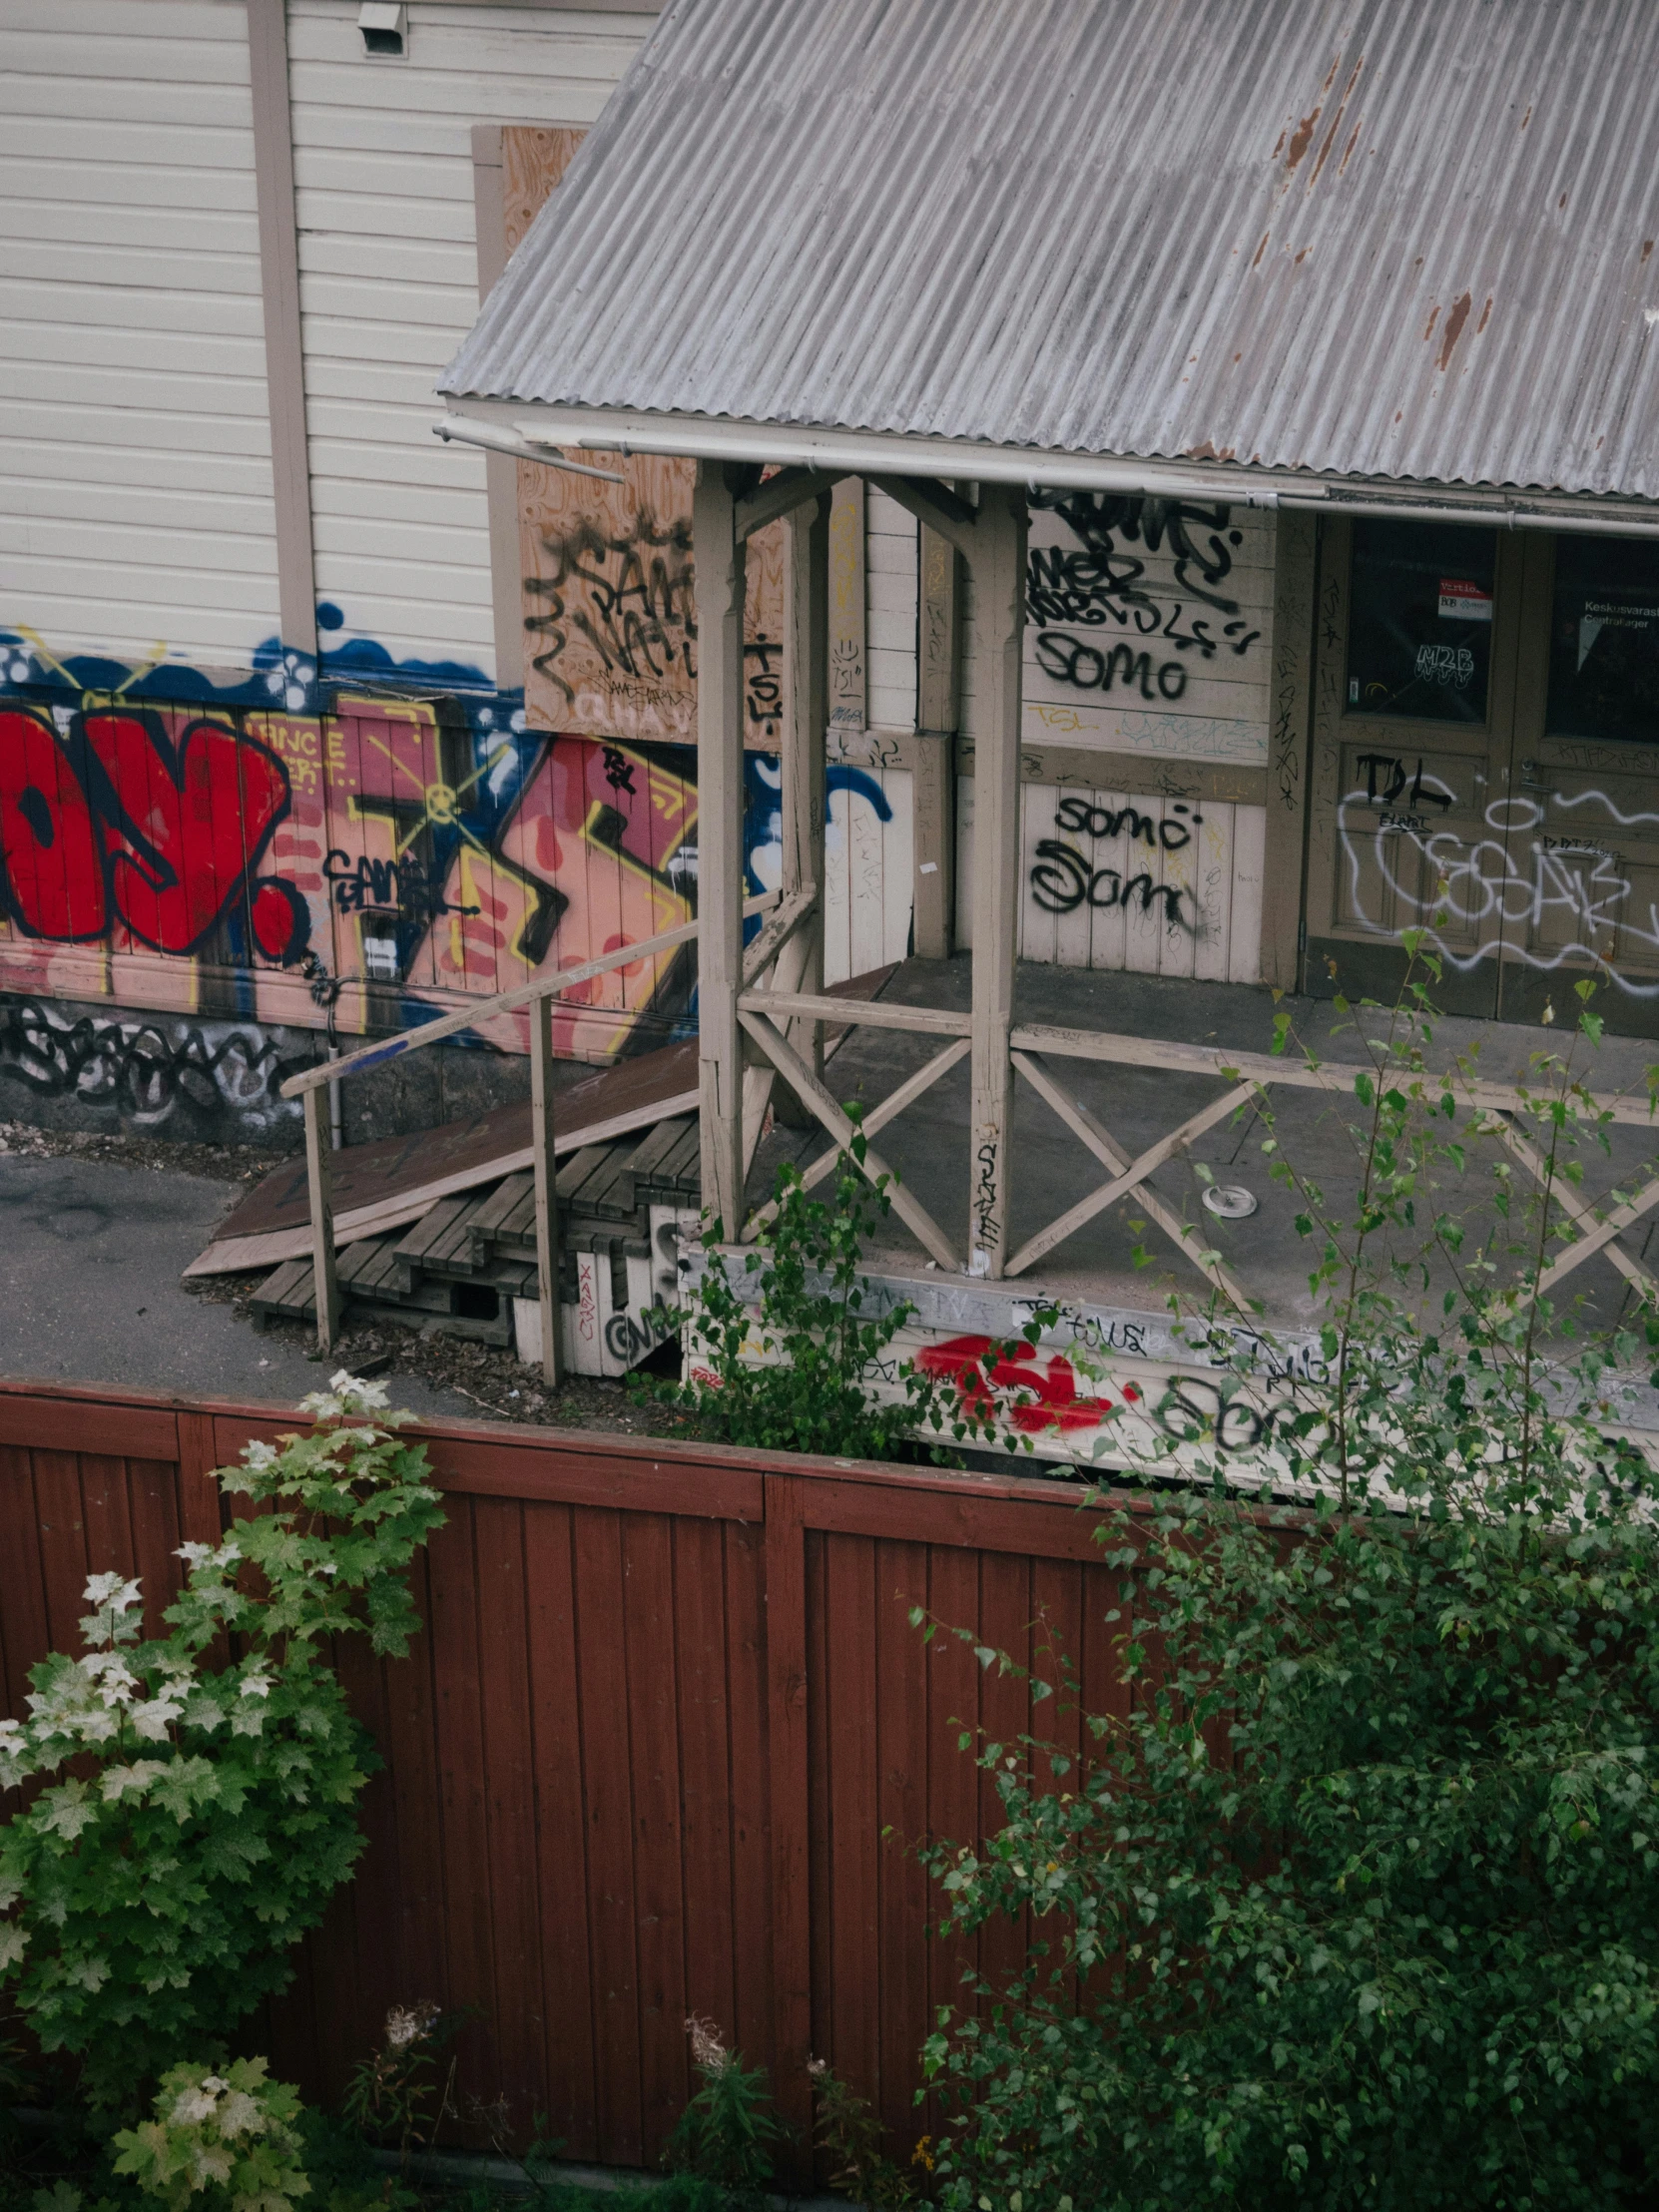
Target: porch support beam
718, 553
936, 505
781, 495
996, 557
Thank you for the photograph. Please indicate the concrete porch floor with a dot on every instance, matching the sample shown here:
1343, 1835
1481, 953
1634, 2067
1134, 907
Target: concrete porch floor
928, 1144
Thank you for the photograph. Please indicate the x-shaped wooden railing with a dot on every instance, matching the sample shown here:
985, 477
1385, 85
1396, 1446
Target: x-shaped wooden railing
1248, 1076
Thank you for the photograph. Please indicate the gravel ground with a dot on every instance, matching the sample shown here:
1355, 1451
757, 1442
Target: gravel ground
220, 1163
491, 1378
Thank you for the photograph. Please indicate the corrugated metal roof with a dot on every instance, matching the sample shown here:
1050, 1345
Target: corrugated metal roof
1371, 237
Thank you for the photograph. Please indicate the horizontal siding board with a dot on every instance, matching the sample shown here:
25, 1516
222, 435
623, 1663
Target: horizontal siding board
124, 185
37, 378
97, 223
134, 437
388, 287
183, 20
96, 141
65, 498
56, 263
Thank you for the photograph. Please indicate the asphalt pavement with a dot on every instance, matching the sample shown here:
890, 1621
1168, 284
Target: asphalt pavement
90, 1259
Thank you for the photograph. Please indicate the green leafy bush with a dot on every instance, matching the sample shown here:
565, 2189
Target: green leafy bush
790, 1367
199, 1809
232, 2139
1353, 1899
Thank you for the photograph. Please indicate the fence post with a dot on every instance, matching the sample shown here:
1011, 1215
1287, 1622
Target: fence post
547, 1204
319, 1178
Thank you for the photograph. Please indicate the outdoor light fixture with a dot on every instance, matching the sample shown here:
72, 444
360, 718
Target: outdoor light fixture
384, 25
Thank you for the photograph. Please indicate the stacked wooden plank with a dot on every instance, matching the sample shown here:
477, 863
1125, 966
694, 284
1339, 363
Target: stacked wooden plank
467, 1266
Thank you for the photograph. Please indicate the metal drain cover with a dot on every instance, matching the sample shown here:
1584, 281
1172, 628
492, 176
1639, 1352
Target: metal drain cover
1230, 1201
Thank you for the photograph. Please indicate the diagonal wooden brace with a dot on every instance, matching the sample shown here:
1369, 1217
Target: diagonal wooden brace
876, 1119
1127, 1175
1579, 1210
811, 1092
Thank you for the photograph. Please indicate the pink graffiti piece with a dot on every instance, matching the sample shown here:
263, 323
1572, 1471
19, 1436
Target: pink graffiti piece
189, 822
1052, 1401
53, 870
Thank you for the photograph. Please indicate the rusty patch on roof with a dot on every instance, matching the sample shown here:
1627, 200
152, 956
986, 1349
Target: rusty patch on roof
1647, 248
1485, 316
1348, 149
1433, 317
1454, 326
1262, 248
1303, 140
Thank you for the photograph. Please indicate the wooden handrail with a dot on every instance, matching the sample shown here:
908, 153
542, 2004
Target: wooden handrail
504, 1002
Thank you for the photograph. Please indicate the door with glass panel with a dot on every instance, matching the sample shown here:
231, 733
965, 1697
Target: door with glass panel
1420, 627
1583, 812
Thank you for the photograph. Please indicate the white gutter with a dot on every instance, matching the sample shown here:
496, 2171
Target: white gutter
513, 426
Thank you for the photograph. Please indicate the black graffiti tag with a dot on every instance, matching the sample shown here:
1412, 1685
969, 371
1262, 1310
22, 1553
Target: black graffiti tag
1385, 779
1104, 583
138, 1067
1082, 818
400, 887
1064, 881
1071, 661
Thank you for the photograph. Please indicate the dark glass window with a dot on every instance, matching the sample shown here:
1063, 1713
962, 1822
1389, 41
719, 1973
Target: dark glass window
1420, 636
1604, 638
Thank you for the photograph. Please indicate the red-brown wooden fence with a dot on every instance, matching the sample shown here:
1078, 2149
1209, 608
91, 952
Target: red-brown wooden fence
664, 1748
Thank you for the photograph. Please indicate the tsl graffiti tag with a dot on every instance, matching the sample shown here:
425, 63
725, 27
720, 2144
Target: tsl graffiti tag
115, 821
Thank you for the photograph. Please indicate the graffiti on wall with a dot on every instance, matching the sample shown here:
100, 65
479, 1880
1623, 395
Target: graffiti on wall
611, 607
203, 1077
1521, 881
372, 867
1147, 624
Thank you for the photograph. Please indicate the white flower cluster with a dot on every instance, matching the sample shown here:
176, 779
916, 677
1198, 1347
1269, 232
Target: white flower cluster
347, 1395
96, 1701
708, 2049
232, 2112
411, 2023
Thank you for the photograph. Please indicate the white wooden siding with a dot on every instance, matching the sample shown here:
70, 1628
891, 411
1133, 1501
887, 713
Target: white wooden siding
866, 868
136, 500
389, 285
890, 574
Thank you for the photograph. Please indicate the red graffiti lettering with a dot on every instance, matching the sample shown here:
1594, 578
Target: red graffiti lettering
1046, 1394
54, 876
117, 821
193, 822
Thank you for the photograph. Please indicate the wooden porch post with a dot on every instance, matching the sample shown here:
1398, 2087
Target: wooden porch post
804, 767
999, 566
718, 554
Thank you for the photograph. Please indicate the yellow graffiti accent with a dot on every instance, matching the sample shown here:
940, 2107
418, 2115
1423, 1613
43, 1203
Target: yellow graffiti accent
90, 701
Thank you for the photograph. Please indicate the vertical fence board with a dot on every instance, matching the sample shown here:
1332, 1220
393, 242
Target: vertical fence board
708, 1785
23, 1615
754, 1935
659, 1902
608, 1795
514, 1906
901, 1824
463, 1787
562, 1863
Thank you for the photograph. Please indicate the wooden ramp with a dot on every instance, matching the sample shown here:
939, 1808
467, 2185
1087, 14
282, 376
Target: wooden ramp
399, 1179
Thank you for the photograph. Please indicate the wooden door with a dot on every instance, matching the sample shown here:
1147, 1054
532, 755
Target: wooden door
1419, 632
